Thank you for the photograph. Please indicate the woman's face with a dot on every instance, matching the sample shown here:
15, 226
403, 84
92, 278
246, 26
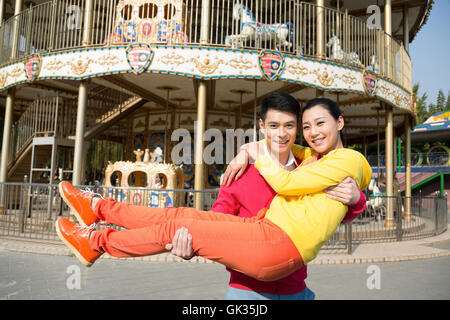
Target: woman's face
321, 130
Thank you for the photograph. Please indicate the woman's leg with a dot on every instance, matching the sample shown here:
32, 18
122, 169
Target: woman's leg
257, 248
132, 217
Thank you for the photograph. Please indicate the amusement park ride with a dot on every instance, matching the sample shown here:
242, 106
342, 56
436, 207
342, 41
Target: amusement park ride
145, 173
133, 71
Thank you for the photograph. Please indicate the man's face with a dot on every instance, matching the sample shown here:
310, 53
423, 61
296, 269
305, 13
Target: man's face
280, 129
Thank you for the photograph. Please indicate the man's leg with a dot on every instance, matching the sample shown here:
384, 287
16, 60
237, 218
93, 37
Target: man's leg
306, 294
241, 294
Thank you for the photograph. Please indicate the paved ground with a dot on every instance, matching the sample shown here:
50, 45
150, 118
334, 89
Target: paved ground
37, 276
416, 269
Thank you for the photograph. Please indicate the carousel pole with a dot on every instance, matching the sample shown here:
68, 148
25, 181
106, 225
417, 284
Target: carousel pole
407, 216
320, 25
200, 126
406, 27
2, 12
77, 177
389, 147
79, 136
388, 30
87, 30
7, 126
389, 141
2, 18
10, 101
15, 44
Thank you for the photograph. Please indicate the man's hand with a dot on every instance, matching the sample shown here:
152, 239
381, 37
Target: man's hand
346, 192
181, 245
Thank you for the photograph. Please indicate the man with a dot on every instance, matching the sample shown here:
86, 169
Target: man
246, 196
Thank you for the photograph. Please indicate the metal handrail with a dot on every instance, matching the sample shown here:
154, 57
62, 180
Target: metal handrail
58, 25
30, 209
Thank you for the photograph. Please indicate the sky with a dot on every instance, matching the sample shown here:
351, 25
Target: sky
430, 52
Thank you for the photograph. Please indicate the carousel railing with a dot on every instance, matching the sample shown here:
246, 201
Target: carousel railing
28, 211
284, 25
423, 159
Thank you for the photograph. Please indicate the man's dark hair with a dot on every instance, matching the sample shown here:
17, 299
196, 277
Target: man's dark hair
281, 102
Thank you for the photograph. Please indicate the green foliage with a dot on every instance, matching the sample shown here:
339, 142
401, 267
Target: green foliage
424, 109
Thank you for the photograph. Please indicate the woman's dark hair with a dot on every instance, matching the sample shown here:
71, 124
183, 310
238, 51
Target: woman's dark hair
328, 104
281, 102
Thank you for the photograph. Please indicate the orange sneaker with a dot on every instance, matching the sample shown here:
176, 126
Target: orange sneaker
79, 202
76, 238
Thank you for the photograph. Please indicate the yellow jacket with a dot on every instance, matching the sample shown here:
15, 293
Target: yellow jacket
301, 208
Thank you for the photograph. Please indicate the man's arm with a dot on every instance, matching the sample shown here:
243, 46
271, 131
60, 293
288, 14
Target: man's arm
348, 193
355, 210
226, 203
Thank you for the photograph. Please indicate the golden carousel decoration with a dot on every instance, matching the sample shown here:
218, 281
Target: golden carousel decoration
147, 182
149, 21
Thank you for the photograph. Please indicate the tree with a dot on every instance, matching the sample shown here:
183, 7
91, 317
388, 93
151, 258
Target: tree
425, 110
421, 105
447, 104
440, 101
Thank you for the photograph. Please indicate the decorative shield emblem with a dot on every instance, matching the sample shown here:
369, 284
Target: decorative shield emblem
33, 67
370, 83
139, 57
271, 64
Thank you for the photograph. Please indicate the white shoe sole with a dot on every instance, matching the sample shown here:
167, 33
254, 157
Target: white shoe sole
72, 248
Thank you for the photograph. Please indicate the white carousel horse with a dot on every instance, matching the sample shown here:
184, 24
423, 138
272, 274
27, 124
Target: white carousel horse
373, 66
250, 29
338, 54
375, 204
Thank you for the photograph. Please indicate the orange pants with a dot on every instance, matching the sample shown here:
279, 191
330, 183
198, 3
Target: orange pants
253, 246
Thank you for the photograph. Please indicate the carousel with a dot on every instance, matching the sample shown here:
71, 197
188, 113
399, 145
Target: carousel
152, 183
143, 74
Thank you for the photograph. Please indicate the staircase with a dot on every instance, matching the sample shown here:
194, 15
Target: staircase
49, 124
41, 129
111, 116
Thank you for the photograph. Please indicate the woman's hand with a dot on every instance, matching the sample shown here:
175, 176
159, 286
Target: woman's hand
248, 154
346, 192
181, 245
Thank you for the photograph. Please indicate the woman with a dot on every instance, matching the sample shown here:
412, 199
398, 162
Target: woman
268, 247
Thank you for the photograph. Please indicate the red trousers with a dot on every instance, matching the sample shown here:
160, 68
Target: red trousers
253, 246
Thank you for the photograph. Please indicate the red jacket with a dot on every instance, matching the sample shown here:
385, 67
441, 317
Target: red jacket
244, 198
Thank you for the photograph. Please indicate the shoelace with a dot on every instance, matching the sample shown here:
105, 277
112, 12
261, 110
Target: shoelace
89, 192
86, 229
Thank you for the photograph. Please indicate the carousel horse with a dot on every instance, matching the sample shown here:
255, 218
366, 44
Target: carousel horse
375, 204
338, 54
373, 66
250, 29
